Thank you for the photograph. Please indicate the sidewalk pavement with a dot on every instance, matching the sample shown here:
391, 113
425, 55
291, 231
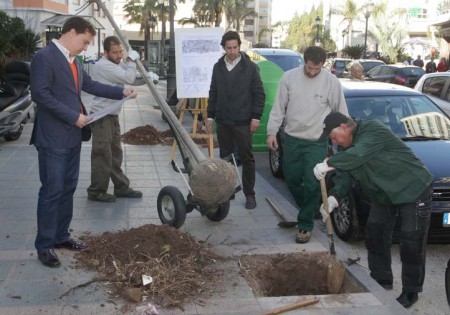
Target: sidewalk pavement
27, 287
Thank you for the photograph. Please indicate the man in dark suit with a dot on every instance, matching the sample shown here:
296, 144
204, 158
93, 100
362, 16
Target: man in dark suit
57, 79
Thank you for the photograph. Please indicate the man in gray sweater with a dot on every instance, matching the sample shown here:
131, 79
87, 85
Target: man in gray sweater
305, 96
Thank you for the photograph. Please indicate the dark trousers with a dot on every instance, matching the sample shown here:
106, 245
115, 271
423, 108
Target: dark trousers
106, 157
414, 223
58, 173
227, 136
299, 158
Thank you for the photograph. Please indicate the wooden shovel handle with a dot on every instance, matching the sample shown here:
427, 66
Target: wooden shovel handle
293, 306
330, 231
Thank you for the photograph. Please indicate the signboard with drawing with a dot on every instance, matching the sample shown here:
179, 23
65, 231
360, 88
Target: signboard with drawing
196, 52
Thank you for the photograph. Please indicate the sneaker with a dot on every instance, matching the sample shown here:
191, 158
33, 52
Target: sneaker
406, 299
128, 193
303, 237
250, 202
102, 197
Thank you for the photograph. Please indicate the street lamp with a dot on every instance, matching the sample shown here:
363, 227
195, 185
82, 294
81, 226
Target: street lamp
344, 32
318, 20
172, 99
151, 23
163, 4
368, 12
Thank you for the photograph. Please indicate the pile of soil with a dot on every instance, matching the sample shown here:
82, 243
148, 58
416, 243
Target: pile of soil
182, 268
149, 135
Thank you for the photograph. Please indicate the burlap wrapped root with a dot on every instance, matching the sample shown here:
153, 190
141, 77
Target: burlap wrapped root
212, 182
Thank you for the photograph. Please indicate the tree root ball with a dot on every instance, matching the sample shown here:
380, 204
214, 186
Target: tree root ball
213, 182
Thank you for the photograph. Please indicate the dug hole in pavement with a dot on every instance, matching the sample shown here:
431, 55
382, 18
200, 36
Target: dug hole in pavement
265, 270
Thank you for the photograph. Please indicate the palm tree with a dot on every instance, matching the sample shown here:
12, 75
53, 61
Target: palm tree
236, 11
212, 9
349, 12
141, 14
389, 31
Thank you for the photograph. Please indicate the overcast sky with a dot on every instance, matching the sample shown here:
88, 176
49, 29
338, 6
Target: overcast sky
283, 10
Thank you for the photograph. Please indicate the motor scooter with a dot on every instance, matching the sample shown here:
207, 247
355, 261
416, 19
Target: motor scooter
16, 106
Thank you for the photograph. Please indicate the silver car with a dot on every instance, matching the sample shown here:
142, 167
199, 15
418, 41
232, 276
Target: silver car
437, 87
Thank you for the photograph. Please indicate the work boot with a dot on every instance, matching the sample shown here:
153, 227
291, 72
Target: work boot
250, 202
128, 193
408, 298
102, 197
303, 237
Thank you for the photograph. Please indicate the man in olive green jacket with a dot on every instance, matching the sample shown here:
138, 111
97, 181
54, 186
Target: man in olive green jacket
397, 183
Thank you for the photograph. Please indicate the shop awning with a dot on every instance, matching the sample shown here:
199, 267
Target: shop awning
59, 20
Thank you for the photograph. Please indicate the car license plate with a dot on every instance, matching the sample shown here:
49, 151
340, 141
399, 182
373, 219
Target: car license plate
446, 219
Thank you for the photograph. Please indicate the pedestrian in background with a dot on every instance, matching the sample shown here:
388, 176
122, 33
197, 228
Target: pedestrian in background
431, 66
236, 102
357, 71
305, 96
408, 61
399, 186
107, 154
418, 62
57, 79
442, 65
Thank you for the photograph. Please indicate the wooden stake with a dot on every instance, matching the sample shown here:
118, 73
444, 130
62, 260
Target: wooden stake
293, 306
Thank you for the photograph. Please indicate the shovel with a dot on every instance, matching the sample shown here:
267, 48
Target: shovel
336, 269
285, 223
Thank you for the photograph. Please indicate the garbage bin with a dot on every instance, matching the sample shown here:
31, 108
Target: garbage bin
270, 76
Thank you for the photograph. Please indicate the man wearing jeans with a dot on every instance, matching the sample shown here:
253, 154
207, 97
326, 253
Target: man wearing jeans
236, 102
56, 81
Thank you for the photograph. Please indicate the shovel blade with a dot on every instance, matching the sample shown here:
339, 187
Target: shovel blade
335, 275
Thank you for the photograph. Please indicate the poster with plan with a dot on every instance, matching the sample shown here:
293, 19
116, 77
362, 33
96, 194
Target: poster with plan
196, 52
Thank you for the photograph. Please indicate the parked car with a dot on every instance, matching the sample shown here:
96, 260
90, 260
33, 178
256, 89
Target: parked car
396, 74
286, 59
420, 123
337, 66
368, 64
437, 87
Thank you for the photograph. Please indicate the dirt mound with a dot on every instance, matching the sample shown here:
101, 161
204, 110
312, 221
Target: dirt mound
182, 268
149, 135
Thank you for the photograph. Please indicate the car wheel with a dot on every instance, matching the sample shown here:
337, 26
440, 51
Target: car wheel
345, 220
276, 162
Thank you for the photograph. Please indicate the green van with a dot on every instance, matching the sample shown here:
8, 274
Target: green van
272, 64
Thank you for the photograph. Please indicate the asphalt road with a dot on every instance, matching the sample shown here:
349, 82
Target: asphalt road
432, 301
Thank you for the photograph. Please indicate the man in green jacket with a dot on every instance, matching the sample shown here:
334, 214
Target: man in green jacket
397, 183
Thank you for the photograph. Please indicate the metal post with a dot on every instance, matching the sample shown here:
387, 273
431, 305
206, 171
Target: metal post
163, 44
367, 14
365, 37
171, 75
318, 20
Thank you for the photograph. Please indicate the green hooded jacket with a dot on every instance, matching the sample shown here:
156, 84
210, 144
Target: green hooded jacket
386, 169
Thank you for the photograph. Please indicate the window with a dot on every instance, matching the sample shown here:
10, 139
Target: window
434, 86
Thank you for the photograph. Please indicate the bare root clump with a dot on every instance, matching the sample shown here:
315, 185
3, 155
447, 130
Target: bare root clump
181, 267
